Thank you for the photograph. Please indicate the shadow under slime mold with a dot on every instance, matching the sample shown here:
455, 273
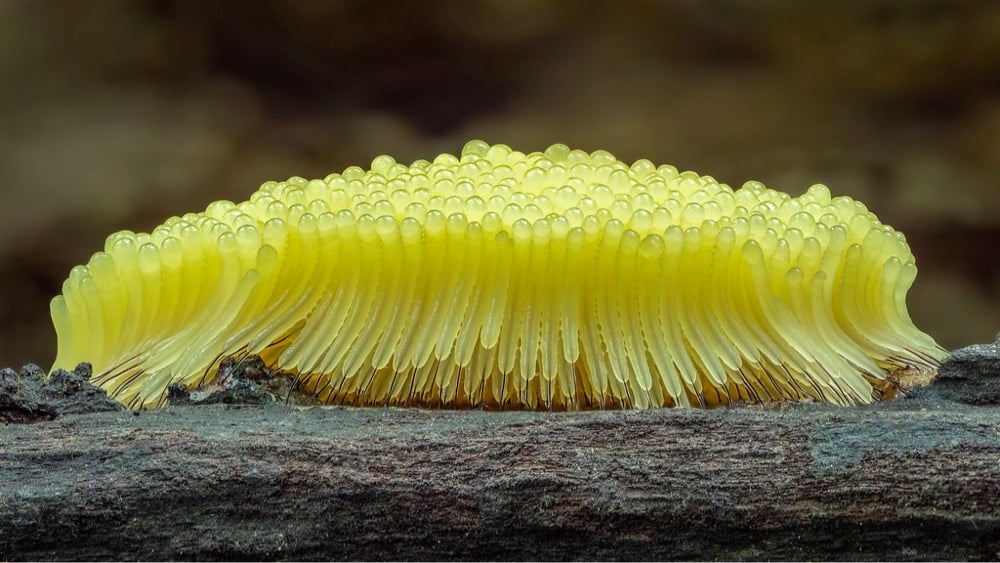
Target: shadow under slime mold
241, 381
497, 279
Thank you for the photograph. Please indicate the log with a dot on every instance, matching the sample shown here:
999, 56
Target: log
911, 479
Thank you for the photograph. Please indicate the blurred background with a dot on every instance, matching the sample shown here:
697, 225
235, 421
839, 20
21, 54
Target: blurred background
119, 113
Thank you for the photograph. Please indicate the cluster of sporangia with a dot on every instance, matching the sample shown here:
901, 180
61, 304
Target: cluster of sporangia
558, 279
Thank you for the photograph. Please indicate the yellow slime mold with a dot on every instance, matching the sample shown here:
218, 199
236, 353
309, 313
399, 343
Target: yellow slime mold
498, 279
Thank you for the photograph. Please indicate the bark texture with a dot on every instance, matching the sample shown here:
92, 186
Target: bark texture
910, 479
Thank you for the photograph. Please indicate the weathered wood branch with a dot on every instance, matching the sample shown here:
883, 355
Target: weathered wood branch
912, 479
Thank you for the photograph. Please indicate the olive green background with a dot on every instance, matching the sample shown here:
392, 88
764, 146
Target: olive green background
118, 114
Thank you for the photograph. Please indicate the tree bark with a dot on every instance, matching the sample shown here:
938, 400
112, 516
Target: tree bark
909, 479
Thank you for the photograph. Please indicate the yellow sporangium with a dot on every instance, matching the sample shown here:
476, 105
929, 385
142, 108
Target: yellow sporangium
551, 280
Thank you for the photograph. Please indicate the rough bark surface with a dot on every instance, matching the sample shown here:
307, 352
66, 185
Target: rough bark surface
916, 478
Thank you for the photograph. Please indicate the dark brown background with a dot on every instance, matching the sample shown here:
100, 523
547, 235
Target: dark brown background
120, 113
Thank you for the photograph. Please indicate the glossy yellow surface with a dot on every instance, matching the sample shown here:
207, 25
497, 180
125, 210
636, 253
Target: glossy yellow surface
558, 279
